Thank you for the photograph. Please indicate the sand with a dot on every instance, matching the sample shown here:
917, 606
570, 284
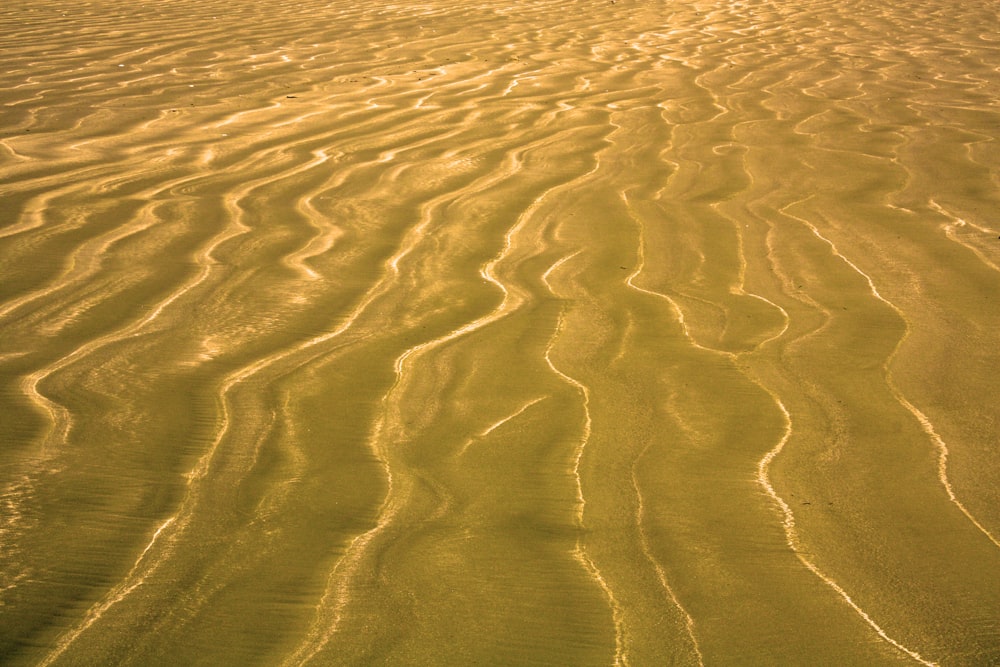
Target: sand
566, 333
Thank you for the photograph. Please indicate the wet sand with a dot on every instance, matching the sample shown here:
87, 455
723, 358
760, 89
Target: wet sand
567, 333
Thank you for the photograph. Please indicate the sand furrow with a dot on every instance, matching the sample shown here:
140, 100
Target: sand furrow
580, 552
925, 424
788, 522
393, 427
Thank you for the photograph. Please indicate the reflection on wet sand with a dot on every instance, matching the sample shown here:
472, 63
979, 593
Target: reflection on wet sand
570, 333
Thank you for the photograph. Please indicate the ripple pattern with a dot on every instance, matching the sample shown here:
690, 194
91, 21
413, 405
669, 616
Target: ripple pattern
577, 332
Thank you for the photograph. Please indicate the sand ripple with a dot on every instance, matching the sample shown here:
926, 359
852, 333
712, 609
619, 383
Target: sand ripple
575, 332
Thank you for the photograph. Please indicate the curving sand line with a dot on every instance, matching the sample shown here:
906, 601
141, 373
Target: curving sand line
763, 466
925, 423
788, 523
580, 553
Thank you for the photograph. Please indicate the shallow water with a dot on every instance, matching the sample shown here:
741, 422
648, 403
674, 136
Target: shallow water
576, 332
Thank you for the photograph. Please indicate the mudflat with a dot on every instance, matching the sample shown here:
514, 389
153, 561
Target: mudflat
556, 333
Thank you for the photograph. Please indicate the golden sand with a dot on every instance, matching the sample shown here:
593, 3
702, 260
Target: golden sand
439, 333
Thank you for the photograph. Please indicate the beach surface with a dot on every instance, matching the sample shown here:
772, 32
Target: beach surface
576, 332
